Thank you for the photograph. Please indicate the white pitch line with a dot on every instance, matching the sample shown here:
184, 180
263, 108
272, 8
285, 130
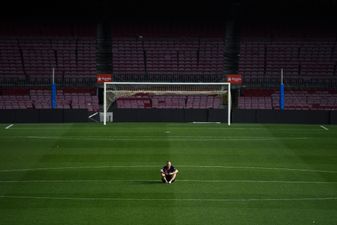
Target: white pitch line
196, 122
169, 199
92, 115
78, 167
9, 126
158, 138
219, 128
259, 181
158, 181
268, 168
324, 127
181, 166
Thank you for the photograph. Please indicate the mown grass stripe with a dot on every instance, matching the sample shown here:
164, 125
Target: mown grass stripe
181, 166
158, 181
168, 199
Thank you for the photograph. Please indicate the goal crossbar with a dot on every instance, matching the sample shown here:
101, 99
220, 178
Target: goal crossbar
132, 92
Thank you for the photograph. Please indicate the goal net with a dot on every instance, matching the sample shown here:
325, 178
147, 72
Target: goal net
217, 95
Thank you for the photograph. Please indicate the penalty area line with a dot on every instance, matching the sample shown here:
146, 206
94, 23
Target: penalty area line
9, 126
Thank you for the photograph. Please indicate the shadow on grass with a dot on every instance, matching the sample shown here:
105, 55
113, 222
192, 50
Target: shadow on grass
150, 182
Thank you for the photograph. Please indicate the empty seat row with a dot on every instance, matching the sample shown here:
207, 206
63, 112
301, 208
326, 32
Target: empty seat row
41, 99
171, 102
294, 100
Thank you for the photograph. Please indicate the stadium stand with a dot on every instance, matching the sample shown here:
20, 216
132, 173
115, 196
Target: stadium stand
41, 99
294, 99
29, 53
308, 57
304, 56
168, 55
10, 61
161, 53
182, 53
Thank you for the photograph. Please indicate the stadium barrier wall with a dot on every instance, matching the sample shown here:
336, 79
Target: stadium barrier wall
289, 116
43, 115
302, 117
244, 116
170, 115
333, 117
220, 115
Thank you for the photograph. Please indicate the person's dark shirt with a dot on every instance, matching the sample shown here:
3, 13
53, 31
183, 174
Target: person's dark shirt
168, 171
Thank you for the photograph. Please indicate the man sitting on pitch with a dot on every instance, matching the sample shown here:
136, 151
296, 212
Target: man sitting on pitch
168, 173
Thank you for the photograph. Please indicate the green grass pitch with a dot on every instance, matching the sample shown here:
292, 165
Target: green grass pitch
83, 174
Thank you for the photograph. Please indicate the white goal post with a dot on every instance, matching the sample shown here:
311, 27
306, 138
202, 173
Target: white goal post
127, 89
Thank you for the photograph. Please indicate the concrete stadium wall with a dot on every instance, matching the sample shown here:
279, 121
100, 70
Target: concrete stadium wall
333, 117
171, 115
43, 115
271, 116
220, 115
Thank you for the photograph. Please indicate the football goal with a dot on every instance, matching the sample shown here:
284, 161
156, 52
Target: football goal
117, 90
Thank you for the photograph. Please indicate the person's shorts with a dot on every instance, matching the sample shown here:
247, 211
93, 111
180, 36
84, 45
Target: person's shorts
168, 178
